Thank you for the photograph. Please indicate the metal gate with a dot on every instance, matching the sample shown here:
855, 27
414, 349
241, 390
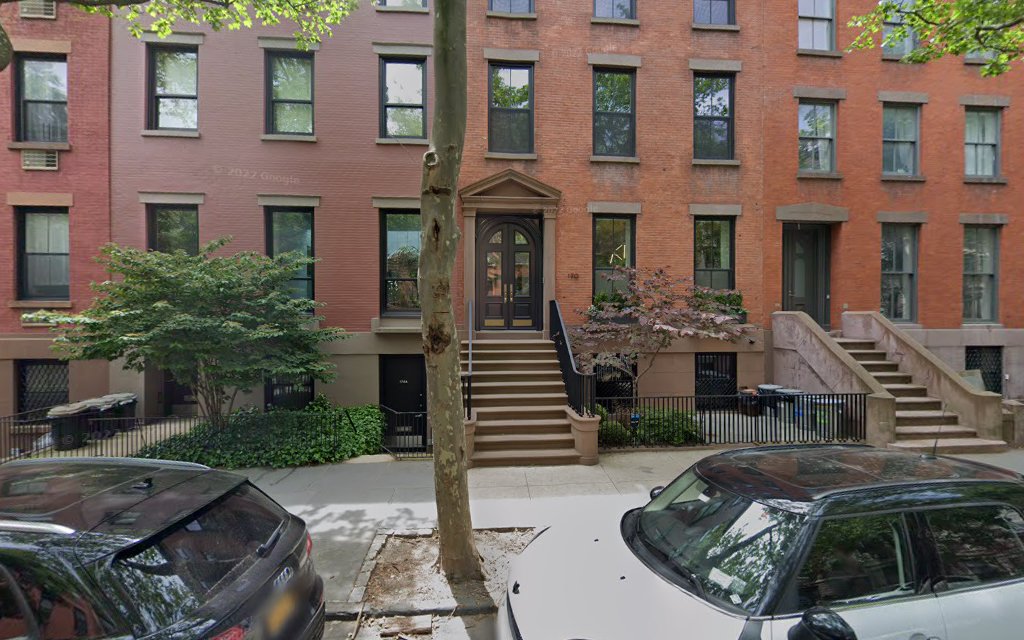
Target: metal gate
41, 384
715, 376
988, 360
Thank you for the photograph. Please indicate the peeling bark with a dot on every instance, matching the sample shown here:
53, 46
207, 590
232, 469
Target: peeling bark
440, 240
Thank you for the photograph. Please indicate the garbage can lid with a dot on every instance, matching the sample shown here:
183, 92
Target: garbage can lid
100, 404
120, 397
65, 410
769, 387
789, 392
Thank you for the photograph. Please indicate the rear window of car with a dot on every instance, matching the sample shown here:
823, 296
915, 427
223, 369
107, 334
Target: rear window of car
174, 573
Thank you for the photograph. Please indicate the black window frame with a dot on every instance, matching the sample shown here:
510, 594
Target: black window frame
270, 127
272, 384
152, 211
632, 113
385, 105
384, 279
491, 68
831, 20
732, 250
731, 13
153, 49
593, 246
491, 8
23, 285
913, 273
19, 97
730, 118
268, 213
383, 3
631, 16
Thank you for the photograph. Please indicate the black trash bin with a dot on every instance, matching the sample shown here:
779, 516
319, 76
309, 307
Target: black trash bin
69, 425
767, 394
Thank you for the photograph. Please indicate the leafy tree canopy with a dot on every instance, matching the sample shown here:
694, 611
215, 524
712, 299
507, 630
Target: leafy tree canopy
992, 30
217, 323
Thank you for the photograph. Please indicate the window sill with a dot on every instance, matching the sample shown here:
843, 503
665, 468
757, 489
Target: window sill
505, 15
889, 57
820, 53
402, 9
396, 324
35, 325
404, 141
497, 155
715, 27
285, 137
886, 177
984, 180
704, 162
39, 304
626, 22
40, 146
978, 324
975, 61
818, 175
616, 159
169, 133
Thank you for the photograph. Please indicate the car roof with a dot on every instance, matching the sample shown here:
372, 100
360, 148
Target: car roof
120, 499
807, 478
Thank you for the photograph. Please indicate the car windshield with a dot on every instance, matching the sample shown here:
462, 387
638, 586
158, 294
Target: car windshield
725, 546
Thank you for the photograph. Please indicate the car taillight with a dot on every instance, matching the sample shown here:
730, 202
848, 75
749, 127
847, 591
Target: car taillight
309, 545
234, 633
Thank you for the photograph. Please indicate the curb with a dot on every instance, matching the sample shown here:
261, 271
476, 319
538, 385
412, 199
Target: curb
347, 612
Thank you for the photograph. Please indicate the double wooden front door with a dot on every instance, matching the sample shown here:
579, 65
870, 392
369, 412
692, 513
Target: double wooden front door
508, 273
805, 270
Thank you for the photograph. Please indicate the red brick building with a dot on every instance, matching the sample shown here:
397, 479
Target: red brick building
55, 188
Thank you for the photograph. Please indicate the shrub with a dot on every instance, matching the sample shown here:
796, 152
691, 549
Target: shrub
321, 434
611, 432
667, 427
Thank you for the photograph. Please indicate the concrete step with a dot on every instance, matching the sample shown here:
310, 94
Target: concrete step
519, 442
508, 344
512, 365
867, 355
906, 390
520, 412
513, 400
525, 458
932, 431
918, 403
523, 426
482, 355
547, 375
912, 418
893, 377
879, 365
856, 344
508, 335
518, 386
952, 445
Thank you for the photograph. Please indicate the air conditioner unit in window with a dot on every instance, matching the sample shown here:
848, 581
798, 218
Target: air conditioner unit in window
36, 160
38, 9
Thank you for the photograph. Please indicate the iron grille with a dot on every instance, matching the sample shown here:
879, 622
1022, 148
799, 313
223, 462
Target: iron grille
38, 160
38, 9
613, 383
988, 360
715, 376
292, 394
41, 383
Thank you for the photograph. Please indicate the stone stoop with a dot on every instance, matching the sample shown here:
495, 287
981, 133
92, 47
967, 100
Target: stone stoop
922, 422
520, 402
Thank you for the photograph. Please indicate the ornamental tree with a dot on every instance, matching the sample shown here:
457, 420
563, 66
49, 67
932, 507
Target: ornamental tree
648, 311
219, 323
992, 30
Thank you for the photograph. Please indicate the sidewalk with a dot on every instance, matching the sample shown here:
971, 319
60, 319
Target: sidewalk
346, 504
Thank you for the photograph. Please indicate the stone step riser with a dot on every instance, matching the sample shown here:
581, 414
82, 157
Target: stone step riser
532, 400
519, 386
902, 435
511, 413
894, 378
914, 421
888, 367
868, 356
533, 445
931, 405
485, 356
518, 365
513, 461
484, 430
858, 345
909, 393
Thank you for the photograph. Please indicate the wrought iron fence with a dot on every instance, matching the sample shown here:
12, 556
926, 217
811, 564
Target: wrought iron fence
678, 421
580, 387
407, 434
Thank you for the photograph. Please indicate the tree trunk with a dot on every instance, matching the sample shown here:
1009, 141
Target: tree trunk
440, 241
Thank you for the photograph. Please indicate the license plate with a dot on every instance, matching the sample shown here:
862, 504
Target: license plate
280, 613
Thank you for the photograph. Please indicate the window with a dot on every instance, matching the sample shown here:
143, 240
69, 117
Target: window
511, 6
41, 384
42, 99
289, 393
616, 9
817, 136
977, 545
989, 361
400, 245
404, 4
43, 265
510, 121
981, 264
614, 246
713, 117
173, 87
899, 272
981, 142
290, 92
867, 557
903, 46
174, 227
815, 24
292, 230
403, 86
713, 253
714, 12
614, 113
899, 139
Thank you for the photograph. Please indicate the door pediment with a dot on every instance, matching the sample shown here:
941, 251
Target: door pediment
511, 190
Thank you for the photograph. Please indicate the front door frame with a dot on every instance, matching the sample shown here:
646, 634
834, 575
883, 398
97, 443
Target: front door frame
822, 299
531, 226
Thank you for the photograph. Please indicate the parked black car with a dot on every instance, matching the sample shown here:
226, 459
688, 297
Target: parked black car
125, 548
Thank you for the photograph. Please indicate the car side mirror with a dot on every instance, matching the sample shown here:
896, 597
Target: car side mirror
656, 491
819, 623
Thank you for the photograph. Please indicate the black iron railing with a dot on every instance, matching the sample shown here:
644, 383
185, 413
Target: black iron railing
678, 421
580, 387
467, 375
407, 433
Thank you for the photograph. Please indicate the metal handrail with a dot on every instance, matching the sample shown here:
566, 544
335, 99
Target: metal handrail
580, 387
467, 376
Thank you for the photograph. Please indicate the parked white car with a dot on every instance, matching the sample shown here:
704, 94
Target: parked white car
788, 543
